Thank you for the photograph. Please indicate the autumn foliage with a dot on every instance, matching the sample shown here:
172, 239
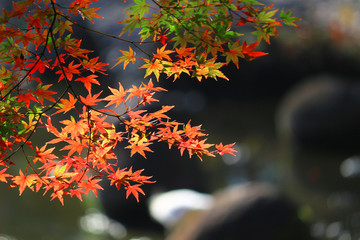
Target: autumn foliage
41, 61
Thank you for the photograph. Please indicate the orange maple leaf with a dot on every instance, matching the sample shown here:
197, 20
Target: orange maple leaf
118, 177
59, 195
90, 100
162, 53
66, 105
77, 192
4, 175
23, 181
139, 144
160, 114
91, 185
185, 52
88, 81
74, 146
134, 190
153, 67
139, 148
43, 155
75, 128
129, 56
117, 96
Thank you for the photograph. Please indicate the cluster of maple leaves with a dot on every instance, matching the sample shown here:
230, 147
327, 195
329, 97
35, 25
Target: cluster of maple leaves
36, 39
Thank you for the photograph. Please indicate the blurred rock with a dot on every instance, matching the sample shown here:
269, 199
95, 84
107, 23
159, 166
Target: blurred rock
318, 123
251, 211
167, 208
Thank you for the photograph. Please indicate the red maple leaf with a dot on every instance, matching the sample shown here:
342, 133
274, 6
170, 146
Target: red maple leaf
163, 38
77, 192
4, 175
69, 71
249, 53
88, 81
134, 190
27, 97
226, 149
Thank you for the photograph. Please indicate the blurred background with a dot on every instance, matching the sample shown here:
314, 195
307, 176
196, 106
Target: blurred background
295, 118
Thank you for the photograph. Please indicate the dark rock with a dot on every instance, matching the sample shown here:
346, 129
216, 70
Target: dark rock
248, 212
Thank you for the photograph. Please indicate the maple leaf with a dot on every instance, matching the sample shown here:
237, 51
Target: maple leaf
93, 65
23, 181
43, 155
91, 185
69, 71
139, 148
162, 53
74, 146
134, 190
233, 53
66, 105
27, 97
4, 175
137, 177
75, 128
90, 100
136, 92
77, 192
150, 87
89, 13
117, 96
184, 52
139, 145
193, 132
160, 114
288, 19
249, 53
226, 149
37, 65
128, 57
162, 38
176, 70
153, 67
136, 114
118, 177
60, 172
88, 81
59, 195
42, 93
